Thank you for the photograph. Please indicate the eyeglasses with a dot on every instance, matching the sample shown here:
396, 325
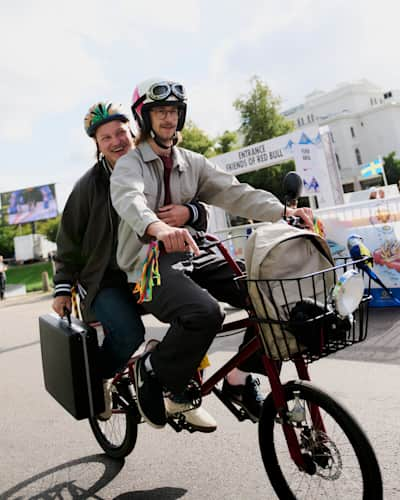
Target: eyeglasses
162, 90
162, 113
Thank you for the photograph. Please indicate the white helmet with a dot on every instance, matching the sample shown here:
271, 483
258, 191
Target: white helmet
158, 92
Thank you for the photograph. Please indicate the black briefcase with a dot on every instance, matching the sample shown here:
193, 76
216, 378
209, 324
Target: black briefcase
70, 365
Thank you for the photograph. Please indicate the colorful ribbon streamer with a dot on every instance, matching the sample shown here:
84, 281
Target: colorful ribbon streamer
150, 274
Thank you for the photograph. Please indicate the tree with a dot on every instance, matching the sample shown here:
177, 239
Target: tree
392, 168
260, 121
195, 139
269, 178
49, 228
226, 142
7, 234
260, 118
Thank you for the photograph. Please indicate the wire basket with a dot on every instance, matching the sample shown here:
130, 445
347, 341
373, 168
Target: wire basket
297, 319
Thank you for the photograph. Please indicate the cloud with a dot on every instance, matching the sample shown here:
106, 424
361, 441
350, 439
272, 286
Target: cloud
46, 70
54, 55
57, 58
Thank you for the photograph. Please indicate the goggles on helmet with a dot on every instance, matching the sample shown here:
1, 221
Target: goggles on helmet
160, 91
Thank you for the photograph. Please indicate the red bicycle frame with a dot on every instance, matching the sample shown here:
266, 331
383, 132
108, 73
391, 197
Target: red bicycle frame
272, 368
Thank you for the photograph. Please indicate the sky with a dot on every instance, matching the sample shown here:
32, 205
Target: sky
57, 58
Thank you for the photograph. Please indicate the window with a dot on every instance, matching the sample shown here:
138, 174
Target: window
358, 156
352, 132
338, 161
348, 188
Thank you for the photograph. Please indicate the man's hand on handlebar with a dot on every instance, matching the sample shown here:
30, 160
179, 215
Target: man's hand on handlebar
174, 239
305, 213
61, 303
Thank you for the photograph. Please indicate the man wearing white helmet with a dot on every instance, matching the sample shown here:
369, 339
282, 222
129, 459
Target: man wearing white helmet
155, 171
86, 247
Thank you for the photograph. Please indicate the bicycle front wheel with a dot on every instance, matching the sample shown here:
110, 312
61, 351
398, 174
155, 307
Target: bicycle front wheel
117, 435
339, 460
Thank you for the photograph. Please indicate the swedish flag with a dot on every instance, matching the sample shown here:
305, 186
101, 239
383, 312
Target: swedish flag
373, 168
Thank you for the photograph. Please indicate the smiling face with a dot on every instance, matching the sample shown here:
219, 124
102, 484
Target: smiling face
114, 140
164, 120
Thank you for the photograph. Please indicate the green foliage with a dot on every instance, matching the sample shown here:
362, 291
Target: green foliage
269, 178
7, 233
226, 142
392, 168
260, 118
195, 139
49, 228
29, 275
6, 241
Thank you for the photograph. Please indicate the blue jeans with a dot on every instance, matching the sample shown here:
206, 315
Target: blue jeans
117, 311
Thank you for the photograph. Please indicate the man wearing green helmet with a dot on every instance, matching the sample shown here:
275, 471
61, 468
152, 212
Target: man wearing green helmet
86, 247
188, 300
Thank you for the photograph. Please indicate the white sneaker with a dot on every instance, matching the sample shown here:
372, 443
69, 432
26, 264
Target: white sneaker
198, 418
107, 388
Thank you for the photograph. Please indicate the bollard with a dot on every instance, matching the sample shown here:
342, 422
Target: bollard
45, 281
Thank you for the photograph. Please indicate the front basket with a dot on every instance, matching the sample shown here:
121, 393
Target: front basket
296, 319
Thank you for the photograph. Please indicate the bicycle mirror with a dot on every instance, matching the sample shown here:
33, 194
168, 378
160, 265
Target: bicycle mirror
292, 186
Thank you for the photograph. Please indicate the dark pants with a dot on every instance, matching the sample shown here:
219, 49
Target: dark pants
2, 284
117, 311
188, 301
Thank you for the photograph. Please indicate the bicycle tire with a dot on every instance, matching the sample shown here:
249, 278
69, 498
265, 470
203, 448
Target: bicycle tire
342, 463
117, 436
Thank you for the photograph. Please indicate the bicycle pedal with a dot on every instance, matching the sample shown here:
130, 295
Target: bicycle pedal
237, 411
179, 423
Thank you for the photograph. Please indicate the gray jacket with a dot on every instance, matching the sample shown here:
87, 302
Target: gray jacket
137, 191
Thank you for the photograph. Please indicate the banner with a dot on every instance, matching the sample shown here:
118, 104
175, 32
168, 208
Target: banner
378, 223
306, 147
306, 158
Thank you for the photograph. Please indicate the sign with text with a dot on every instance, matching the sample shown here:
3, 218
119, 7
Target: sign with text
307, 149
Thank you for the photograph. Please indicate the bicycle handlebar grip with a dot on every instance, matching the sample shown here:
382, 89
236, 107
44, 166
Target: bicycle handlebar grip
295, 221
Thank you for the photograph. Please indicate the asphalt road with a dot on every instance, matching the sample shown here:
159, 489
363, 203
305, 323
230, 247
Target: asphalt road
46, 454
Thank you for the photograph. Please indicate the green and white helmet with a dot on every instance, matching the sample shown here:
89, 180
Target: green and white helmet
100, 113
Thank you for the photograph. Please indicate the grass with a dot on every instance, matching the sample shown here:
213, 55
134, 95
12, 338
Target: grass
29, 275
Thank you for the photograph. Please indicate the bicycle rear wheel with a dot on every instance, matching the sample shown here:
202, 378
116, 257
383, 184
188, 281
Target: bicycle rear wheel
340, 461
117, 435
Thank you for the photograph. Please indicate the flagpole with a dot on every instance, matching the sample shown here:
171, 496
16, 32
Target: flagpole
385, 182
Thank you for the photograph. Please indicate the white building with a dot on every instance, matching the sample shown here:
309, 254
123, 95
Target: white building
364, 121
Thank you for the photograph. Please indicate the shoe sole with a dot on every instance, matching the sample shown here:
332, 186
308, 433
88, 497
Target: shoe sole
205, 430
145, 418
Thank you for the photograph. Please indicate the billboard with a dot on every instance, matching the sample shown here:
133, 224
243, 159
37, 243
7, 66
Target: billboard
29, 204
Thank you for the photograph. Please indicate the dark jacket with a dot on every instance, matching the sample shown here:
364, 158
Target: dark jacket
87, 238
